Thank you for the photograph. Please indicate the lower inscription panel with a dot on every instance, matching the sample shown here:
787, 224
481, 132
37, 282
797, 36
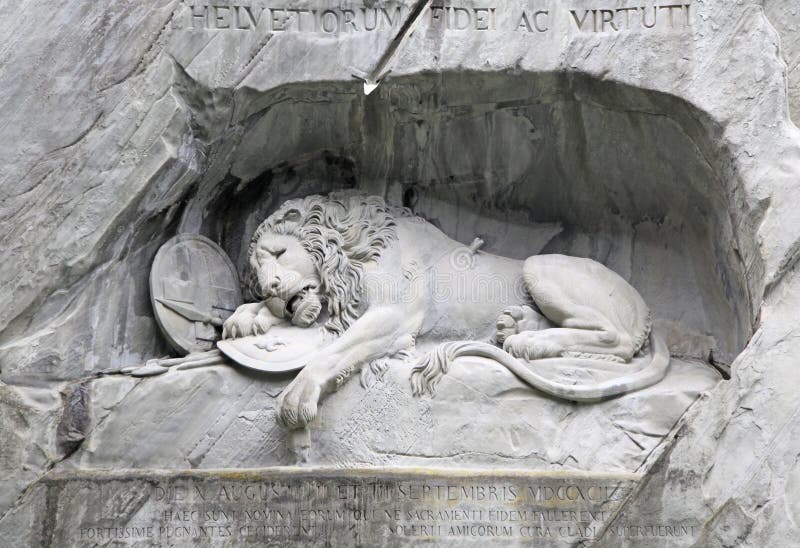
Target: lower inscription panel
319, 507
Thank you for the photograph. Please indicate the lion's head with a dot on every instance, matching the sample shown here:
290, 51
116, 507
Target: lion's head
313, 251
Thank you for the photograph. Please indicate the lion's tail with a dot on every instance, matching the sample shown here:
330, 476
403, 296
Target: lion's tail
435, 365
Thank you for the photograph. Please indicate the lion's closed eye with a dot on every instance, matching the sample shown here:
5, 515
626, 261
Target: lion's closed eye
274, 251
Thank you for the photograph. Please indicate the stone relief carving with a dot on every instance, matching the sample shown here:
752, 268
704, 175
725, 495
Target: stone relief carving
193, 289
674, 164
380, 279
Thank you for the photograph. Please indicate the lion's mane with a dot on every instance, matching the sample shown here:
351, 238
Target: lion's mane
342, 232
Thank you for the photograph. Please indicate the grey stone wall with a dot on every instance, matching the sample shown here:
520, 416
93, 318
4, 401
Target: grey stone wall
668, 153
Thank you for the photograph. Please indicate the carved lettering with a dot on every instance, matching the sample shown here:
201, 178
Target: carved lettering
463, 19
538, 21
290, 19
279, 19
669, 9
607, 16
626, 12
348, 21
456, 18
294, 509
391, 20
222, 17
199, 16
670, 16
367, 25
330, 21
580, 21
290, 507
652, 24
251, 15
483, 19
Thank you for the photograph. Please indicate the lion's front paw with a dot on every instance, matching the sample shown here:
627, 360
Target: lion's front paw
240, 324
244, 323
297, 405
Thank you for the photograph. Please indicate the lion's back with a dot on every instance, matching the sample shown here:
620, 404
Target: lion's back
415, 233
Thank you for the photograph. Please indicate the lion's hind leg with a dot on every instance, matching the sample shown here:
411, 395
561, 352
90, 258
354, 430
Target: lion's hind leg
582, 328
556, 342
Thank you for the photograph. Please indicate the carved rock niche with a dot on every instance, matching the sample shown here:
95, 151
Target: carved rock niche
665, 153
531, 163
544, 163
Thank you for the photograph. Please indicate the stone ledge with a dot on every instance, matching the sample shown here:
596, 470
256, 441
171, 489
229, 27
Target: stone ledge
482, 416
327, 506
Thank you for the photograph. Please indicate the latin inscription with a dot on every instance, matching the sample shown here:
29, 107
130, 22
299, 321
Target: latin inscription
225, 15
359, 507
329, 21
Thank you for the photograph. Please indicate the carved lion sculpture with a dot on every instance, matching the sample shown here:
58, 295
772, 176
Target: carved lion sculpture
385, 279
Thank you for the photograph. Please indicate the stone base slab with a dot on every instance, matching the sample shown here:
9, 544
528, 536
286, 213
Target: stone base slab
338, 507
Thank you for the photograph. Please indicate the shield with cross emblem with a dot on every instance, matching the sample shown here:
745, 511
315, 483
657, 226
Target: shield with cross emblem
193, 289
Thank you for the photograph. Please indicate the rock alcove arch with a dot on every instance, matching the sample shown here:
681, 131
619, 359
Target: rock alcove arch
532, 162
545, 162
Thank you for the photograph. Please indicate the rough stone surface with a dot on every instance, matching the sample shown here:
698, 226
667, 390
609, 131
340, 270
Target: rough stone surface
171, 124
668, 155
30, 418
735, 458
785, 17
225, 417
327, 507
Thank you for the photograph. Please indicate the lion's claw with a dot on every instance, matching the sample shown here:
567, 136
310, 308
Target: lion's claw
260, 325
297, 405
506, 325
238, 325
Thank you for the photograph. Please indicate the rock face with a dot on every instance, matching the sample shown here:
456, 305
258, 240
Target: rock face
786, 20
223, 418
657, 141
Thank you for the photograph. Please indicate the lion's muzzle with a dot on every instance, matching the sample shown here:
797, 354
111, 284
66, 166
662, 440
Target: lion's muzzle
304, 308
